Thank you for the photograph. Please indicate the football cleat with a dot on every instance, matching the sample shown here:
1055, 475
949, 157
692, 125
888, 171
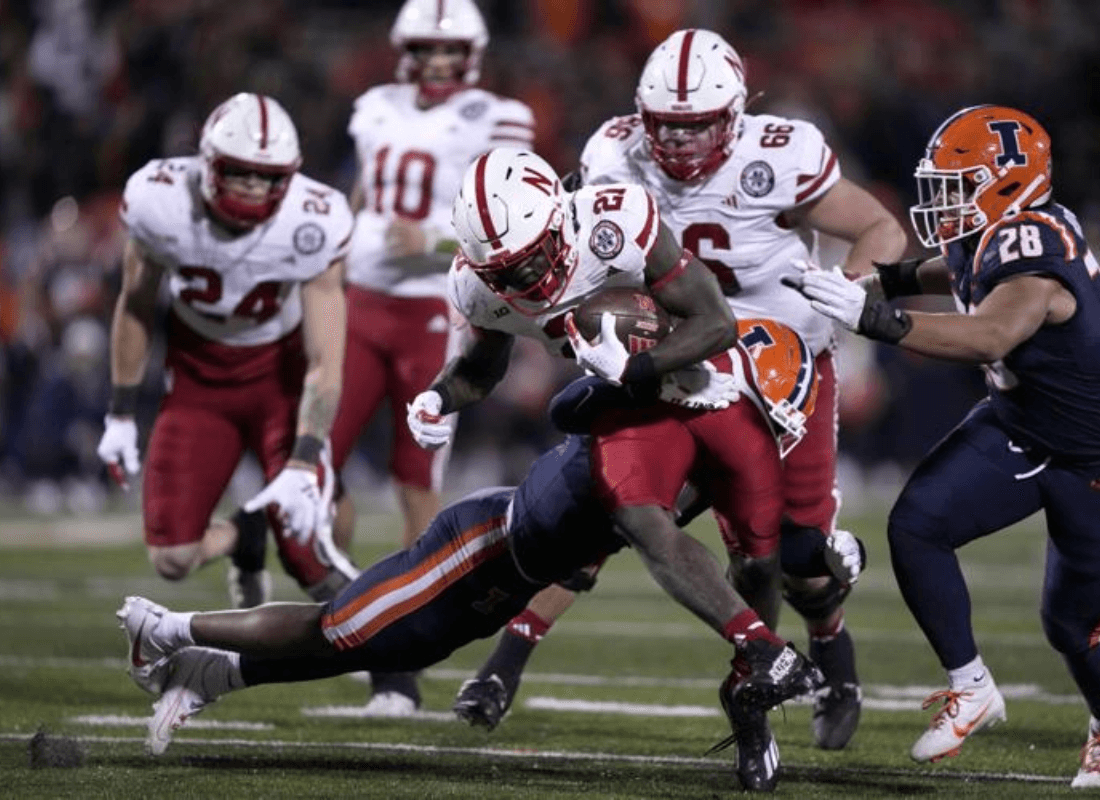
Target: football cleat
249, 589
1088, 777
963, 713
481, 702
197, 677
836, 714
390, 704
764, 675
147, 658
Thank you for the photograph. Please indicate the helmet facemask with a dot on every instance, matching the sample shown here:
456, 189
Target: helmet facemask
690, 146
535, 278
948, 207
237, 199
438, 67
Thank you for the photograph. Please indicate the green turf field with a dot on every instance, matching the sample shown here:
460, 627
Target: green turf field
624, 648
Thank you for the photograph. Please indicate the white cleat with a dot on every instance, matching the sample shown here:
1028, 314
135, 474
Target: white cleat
195, 673
147, 658
390, 704
249, 589
964, 712
1088, 777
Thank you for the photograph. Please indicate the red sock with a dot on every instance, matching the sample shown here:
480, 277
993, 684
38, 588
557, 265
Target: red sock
747, 626
529, 626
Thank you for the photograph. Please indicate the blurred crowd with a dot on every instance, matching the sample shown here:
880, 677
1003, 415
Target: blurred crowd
92, 89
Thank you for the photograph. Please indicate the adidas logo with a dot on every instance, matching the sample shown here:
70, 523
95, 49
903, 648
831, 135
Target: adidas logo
782, 665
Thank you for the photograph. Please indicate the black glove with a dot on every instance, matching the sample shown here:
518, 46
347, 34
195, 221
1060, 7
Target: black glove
899, 278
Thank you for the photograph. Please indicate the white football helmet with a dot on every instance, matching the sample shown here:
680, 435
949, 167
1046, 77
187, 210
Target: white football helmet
508, 219
251, 133
421, 22
694, 78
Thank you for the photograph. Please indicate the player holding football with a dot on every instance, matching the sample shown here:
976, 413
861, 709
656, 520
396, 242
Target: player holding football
413, 139
253, 253
529, 254
747, 194
1025, 284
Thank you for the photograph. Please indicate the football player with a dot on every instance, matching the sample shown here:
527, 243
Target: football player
253, 254
1025, 284
481, 559
529, 254
413, 140
747, 194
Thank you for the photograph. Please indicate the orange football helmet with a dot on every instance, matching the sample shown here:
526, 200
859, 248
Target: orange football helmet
784, 373
982, 164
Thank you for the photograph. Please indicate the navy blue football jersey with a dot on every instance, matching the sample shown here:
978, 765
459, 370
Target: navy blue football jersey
558, 525
1047, 390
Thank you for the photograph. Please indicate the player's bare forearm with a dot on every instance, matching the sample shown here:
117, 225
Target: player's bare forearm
849, 212
471, 376
884, 241
680, 564
688, 290
324, 327
132, 324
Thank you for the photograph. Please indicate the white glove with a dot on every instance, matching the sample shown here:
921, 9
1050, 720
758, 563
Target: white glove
118, 448
297, 493
701, 386
607, 357
842, 556
830, 293
429, 427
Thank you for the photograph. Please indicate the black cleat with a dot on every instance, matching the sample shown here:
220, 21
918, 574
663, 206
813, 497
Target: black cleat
481, 702
775, 674
836, 714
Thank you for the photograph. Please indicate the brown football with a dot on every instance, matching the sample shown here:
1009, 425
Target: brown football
640, 323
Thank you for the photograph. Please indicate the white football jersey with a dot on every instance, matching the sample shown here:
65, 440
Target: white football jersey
733, 220
237, 289
412, 161
609, 231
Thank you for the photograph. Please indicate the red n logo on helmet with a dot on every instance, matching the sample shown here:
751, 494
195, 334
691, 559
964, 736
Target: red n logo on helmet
538, 180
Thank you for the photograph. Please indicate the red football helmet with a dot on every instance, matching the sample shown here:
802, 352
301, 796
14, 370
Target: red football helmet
690, 96
248, 133
983, 164
784, 372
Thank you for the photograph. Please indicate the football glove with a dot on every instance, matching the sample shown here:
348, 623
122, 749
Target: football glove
832, 294
701, 386
607, 357
843, 556
118, 448
297, 494
430, 428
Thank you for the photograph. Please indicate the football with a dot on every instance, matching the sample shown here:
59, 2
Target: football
640, 323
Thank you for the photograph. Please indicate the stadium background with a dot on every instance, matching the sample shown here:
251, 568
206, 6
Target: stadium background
89, 91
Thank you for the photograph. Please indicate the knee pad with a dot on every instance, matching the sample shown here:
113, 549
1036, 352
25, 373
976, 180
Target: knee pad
815, 603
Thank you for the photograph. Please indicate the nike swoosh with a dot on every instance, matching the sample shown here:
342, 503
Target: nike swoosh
135, 650
967, 729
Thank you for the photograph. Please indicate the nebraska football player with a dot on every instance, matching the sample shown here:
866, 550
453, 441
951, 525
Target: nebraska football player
253, 253
749, 194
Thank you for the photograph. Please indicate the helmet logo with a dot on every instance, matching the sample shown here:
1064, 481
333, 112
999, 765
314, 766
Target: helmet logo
1008, 130
538, 180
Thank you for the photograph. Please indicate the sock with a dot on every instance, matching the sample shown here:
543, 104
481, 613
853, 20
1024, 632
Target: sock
513, 650
399, 682
825, 631
747, 627
973, 673
1094, 727
835, 656
251, 548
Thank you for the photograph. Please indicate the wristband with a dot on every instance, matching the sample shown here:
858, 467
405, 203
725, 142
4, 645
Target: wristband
307, 448
123, 401
899, 279
639, 369
881, 322
444, 393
